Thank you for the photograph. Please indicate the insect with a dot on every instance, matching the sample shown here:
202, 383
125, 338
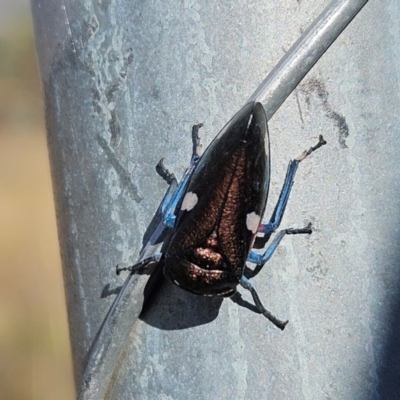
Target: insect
214, 216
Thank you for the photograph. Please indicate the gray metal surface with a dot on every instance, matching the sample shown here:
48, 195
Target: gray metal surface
123, 83
303, 54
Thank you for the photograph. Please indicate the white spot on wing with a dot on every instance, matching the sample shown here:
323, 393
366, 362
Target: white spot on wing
253, 222
189, 201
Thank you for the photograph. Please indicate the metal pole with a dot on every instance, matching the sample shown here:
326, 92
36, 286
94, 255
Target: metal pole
307, 50
84, 68
273, 91
120, 82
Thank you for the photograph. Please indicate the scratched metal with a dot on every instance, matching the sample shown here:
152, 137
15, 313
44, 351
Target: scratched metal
123, 83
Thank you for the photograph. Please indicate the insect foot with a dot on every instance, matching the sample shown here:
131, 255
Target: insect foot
306, 153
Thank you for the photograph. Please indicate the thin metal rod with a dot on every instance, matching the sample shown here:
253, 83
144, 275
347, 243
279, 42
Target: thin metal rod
301, 57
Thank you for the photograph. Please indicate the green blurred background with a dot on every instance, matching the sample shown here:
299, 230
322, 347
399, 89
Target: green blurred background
35, 357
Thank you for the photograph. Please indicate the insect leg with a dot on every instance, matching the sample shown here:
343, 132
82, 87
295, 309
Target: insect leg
140, 266
168, 177
261, 259
247, 285
277, 215
169, 215
197, 147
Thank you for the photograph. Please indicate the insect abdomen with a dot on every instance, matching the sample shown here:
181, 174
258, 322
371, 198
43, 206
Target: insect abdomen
213, 236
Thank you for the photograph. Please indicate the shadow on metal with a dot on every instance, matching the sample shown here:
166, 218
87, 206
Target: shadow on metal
108, 291
168, 307
388, 371
173, 308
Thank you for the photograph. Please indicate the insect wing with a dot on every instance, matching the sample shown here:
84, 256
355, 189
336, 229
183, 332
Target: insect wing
221, 210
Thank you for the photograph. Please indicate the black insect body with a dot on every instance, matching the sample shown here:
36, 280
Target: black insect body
220, 213
216, 211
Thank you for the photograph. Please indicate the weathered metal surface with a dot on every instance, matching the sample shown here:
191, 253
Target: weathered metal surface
123, 83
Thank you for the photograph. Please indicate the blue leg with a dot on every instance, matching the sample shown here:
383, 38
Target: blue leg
277, 215
276, 218
169, 208
270, 227
170, 178
261, 259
